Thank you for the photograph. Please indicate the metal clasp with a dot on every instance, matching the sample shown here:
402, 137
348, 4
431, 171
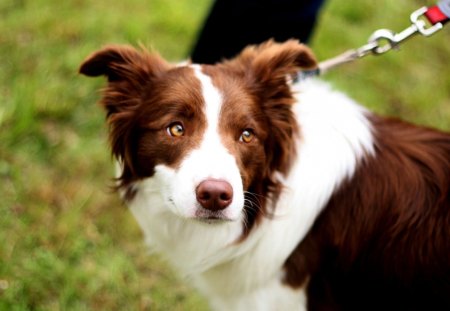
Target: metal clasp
420, 24
384, 40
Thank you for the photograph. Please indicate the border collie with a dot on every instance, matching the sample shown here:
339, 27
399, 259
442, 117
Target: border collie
275, 195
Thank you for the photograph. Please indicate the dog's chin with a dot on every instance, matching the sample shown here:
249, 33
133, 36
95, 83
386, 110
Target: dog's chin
212, 221
212, 217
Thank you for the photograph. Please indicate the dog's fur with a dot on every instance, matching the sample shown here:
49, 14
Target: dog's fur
272, 195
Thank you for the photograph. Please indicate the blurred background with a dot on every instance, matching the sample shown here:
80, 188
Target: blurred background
66, 240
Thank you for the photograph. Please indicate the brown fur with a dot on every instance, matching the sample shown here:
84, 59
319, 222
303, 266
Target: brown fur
385, 232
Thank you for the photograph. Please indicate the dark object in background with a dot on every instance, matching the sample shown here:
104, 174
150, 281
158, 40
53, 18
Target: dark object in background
233, 24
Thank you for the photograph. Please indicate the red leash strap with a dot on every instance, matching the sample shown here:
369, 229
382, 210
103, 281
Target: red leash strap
435, 15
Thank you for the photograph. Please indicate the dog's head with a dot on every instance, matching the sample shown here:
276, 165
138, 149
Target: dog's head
213, 136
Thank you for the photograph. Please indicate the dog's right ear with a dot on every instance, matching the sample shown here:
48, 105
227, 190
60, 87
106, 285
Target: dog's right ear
121, 62
130, 74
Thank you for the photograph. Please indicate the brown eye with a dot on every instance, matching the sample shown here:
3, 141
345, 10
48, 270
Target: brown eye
247, 136
175, 129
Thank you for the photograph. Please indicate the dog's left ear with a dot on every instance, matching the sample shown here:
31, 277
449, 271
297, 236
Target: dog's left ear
274, 61
266, 69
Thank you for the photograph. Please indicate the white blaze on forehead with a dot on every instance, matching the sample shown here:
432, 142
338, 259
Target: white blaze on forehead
216, 160
212, 98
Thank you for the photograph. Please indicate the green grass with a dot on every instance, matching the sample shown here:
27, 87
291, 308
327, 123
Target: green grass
66, 241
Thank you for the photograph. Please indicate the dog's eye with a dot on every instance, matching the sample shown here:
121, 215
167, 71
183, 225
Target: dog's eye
175, 129
247, 136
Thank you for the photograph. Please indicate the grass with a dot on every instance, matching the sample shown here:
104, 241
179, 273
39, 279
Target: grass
67, 243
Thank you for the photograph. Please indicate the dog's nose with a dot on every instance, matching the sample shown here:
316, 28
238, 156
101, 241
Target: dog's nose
214, 194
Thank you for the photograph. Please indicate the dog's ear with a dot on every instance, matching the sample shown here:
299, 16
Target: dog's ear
271, 61
266, 69
130, 74
121, 62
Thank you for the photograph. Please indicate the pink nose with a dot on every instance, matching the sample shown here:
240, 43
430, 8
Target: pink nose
214, 194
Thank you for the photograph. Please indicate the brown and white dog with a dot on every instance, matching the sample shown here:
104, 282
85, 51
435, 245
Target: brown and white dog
272, 195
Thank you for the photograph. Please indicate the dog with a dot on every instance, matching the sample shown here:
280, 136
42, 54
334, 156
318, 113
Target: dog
274, 195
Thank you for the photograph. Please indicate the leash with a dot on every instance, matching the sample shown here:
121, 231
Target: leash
425, 21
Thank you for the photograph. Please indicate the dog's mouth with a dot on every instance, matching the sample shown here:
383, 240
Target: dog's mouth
211, 217
206, 216
212, 220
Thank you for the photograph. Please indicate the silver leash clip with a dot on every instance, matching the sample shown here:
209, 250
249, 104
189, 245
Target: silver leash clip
380, 42
384, 40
